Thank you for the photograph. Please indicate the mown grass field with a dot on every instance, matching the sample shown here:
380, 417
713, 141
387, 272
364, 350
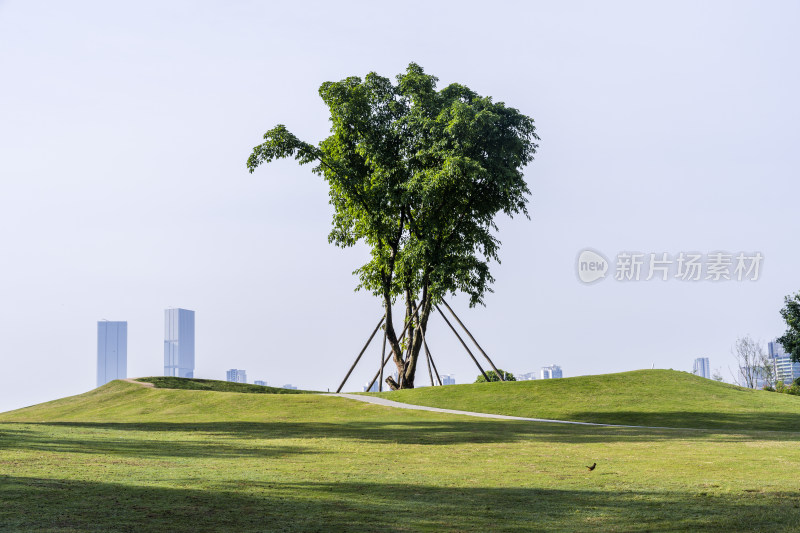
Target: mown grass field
664, 398
129, 458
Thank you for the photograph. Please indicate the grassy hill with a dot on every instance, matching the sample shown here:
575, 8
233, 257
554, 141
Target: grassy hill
167, 382
125, 457
643, 397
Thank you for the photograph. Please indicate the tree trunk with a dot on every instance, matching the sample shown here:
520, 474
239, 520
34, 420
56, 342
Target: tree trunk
407, 363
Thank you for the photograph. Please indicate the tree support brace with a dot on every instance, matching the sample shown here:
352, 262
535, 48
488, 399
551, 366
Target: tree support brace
499, 374
463, 343
427, 351
364, 349
383, 354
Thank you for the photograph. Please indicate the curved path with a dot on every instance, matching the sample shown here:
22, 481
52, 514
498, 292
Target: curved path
141, 383
398, 405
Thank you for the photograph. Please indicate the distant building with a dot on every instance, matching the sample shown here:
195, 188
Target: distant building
289, 386
525, 377
112, 351
179, 343
551, 372
785, 369
259, 382
702, 368
373, 389
448, 379
236, 376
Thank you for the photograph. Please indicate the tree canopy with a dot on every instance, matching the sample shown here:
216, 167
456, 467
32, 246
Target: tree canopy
417, 174
791, 314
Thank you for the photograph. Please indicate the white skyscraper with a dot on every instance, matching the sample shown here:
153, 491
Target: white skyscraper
702, 368
551, 372
785, 370
112, 351
179, 343
236, 376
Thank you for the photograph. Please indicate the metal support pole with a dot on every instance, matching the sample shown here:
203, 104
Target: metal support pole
502, 378
463, 344
364, 349
427, 352
430, 357
383, 353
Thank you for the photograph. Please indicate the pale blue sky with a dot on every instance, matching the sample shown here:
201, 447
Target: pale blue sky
665, 127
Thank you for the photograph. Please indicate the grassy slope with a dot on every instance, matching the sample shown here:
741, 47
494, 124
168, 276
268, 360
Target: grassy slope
130, 458
643, 397
166, 382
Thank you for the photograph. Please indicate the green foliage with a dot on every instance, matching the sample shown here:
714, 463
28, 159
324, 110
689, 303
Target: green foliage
791, 314
492, 375
793, 388
168, 382
418, 175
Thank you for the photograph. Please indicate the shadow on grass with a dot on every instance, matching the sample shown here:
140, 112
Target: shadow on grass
750, 421
251, 439
123, 444
38, 504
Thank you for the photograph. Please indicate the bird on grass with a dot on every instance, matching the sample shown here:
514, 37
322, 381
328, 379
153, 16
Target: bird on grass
592, 467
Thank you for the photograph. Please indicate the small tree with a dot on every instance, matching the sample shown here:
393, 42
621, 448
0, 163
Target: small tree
767, 370
717, 375
749, 356
791, 314
492, 375
418, 175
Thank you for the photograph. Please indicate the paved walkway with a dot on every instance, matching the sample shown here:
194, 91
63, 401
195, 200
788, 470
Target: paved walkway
142, 383
398, 405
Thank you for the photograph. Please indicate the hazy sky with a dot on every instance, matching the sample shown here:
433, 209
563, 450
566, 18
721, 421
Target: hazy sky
125, 128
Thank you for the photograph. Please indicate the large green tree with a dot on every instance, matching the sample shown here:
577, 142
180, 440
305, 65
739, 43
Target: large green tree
419, 175
791, 314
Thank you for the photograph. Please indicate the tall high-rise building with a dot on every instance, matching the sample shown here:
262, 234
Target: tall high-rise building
236, 376
112, 351
551, 372
702, 368
179, 343
785, 369
373, 389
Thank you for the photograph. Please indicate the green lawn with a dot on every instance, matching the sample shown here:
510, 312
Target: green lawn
130, 458
167, 382
665, 398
